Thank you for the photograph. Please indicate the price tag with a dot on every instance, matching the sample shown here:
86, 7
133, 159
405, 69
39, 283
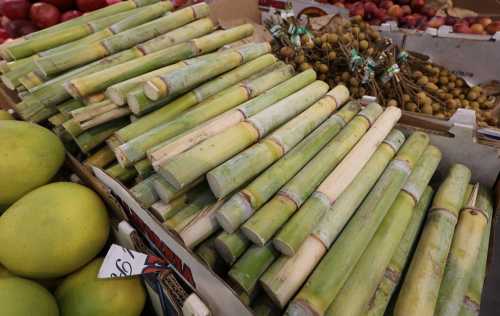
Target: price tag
123, 262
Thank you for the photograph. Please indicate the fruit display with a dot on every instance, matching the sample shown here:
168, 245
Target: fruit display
350, 52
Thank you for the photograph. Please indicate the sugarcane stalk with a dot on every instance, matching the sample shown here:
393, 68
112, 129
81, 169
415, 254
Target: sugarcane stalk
164, 211
465, 247
99, 81
144, 168
201, 226
72, 128
209, 256
30, 80
231, 246
167, 193
325, 282
419, 293
179, 221
144, 191
392, 275
137, 147
93, 137
59, 119
101, 158
104, 118
369, 270
220, 147
472, 299
88, 112
286, 276
62, 61
121, 174
248, 269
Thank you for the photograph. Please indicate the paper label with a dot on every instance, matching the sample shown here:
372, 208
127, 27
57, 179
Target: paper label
123, 262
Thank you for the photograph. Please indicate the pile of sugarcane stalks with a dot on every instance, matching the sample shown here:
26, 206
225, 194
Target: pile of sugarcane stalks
304, 200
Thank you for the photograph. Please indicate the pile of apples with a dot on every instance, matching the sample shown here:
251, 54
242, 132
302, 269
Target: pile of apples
21, 17
467, 25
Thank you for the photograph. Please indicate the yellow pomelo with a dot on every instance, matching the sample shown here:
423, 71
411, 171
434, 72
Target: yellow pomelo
82, 294
21, 297
30, 156
53, 231
4, 115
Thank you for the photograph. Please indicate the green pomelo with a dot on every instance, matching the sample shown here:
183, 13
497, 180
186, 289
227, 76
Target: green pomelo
53, 231
21, 297
82, 294
30, 156
4, 115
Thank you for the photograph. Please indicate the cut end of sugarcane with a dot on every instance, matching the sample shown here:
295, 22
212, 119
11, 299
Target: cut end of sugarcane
283, 247
300, 308
170, 178
225, 222
215, 186
8, 83
155, 88
253, 236
115, 96
271, 294
39, 69
121, 156
224, 251
71, 88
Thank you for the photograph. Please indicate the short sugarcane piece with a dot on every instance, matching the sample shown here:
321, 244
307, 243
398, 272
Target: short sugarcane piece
472, 299
209, 256
167, 193
144, 191
472, 223
266, 222
164, 211
257, 158
144, 168
203, 200
392, 275
99, 81
252, 264
201, 226
369, 270
136, 148
121, 174
62, 61
101, 158
220, 147
139, 103
329, 276
420, 289
231, 246
95, 136
299, 189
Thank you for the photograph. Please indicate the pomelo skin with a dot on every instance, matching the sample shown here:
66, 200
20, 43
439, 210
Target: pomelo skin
52, 231
30, 156
83, 294
21, 297
4, 115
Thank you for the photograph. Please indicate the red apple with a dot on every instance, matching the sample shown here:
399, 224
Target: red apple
395, 11
3, 35
406, 9
370, 7
61, 4
493, 27
44, 14
17, 28
68, 15
429, 11
27, 28
110, 2
90, 5
386, 4
409, 21
436, 22
477, 28
16, 9
357, 10
417, 4
485, 21
462, 27
4, 21
381, 14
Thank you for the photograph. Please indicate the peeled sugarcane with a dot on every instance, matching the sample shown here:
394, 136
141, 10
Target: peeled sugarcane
369, 270
62, 61
209, 256
95, 136
99, 81
202, 201
100, 158
136, 148
266, 222
231, 246
472, 300
121, 174
166, 150
201, 226
419, 293
167, 193
329, 276
248, 269
392, 275
460, 267
220, 147
144, 191
164, 211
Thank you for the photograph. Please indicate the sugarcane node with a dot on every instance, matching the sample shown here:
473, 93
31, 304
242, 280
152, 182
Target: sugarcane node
476, 211
442, 210
411, 195
155, 88
72, 89
392, 275
471, 304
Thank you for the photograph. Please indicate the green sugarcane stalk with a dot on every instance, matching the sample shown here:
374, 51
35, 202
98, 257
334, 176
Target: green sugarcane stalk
419, 293
220, 147
101, 158
287, 274
369, 270
231, 246
121, 174
199, 94
330, 275
72, 128
30, 80
392, 275
187, 214
136, 148
472, 299
298, 190
93, 137
164, 211
144, 191
248, 269
465, 249
144, 168
100, 80
167, 193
